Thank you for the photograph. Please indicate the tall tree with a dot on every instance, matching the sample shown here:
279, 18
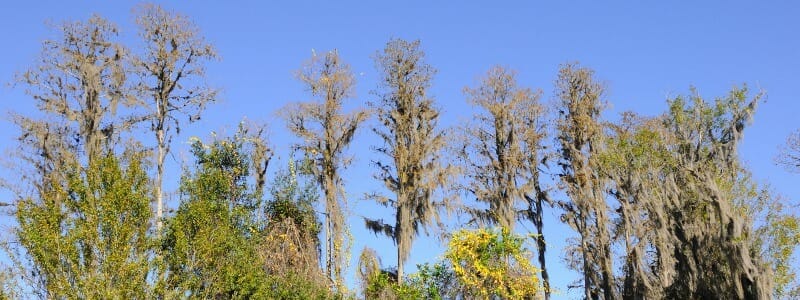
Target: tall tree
580, 137
79, 85
536, 194
687, 208
171, 70
326, 132
706, 227
87, 235
634, 159
493, 148
411, 143
502, 151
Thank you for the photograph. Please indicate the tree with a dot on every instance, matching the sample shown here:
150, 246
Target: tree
209, 247
777, 237
580, 138
494, 153
170, 71
326, 132
633, 158
411, 143
789, 156
71, 224
705, 207
79, 83
501, 153
87, 235
688, 208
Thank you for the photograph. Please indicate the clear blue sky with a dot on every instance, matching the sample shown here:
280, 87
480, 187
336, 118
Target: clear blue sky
644, 52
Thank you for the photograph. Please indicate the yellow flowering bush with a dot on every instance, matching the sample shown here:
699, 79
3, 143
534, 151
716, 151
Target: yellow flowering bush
493, 263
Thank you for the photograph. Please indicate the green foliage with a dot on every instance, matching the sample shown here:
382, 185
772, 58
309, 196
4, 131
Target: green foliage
222, 170
86, 233
430, 282
378, 286
217, 246
208, 252
777, 239
294, 286
291, 200
382, 285
434, 281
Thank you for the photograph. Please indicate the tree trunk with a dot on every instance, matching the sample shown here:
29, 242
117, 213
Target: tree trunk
540, 242
400, 234
161, 155
609, 289
330, 229
588, 285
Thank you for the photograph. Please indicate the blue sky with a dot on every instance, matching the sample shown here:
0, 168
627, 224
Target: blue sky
643, 52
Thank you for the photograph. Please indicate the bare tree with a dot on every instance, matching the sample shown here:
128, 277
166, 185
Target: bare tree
326, 132
580, 138
79, 82
170, 70
411, 143
789, 156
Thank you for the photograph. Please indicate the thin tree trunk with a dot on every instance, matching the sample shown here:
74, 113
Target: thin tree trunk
333, 218
587, 280
609, 291
159, 179
541, 247
402, 218
328, 260
399, 263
